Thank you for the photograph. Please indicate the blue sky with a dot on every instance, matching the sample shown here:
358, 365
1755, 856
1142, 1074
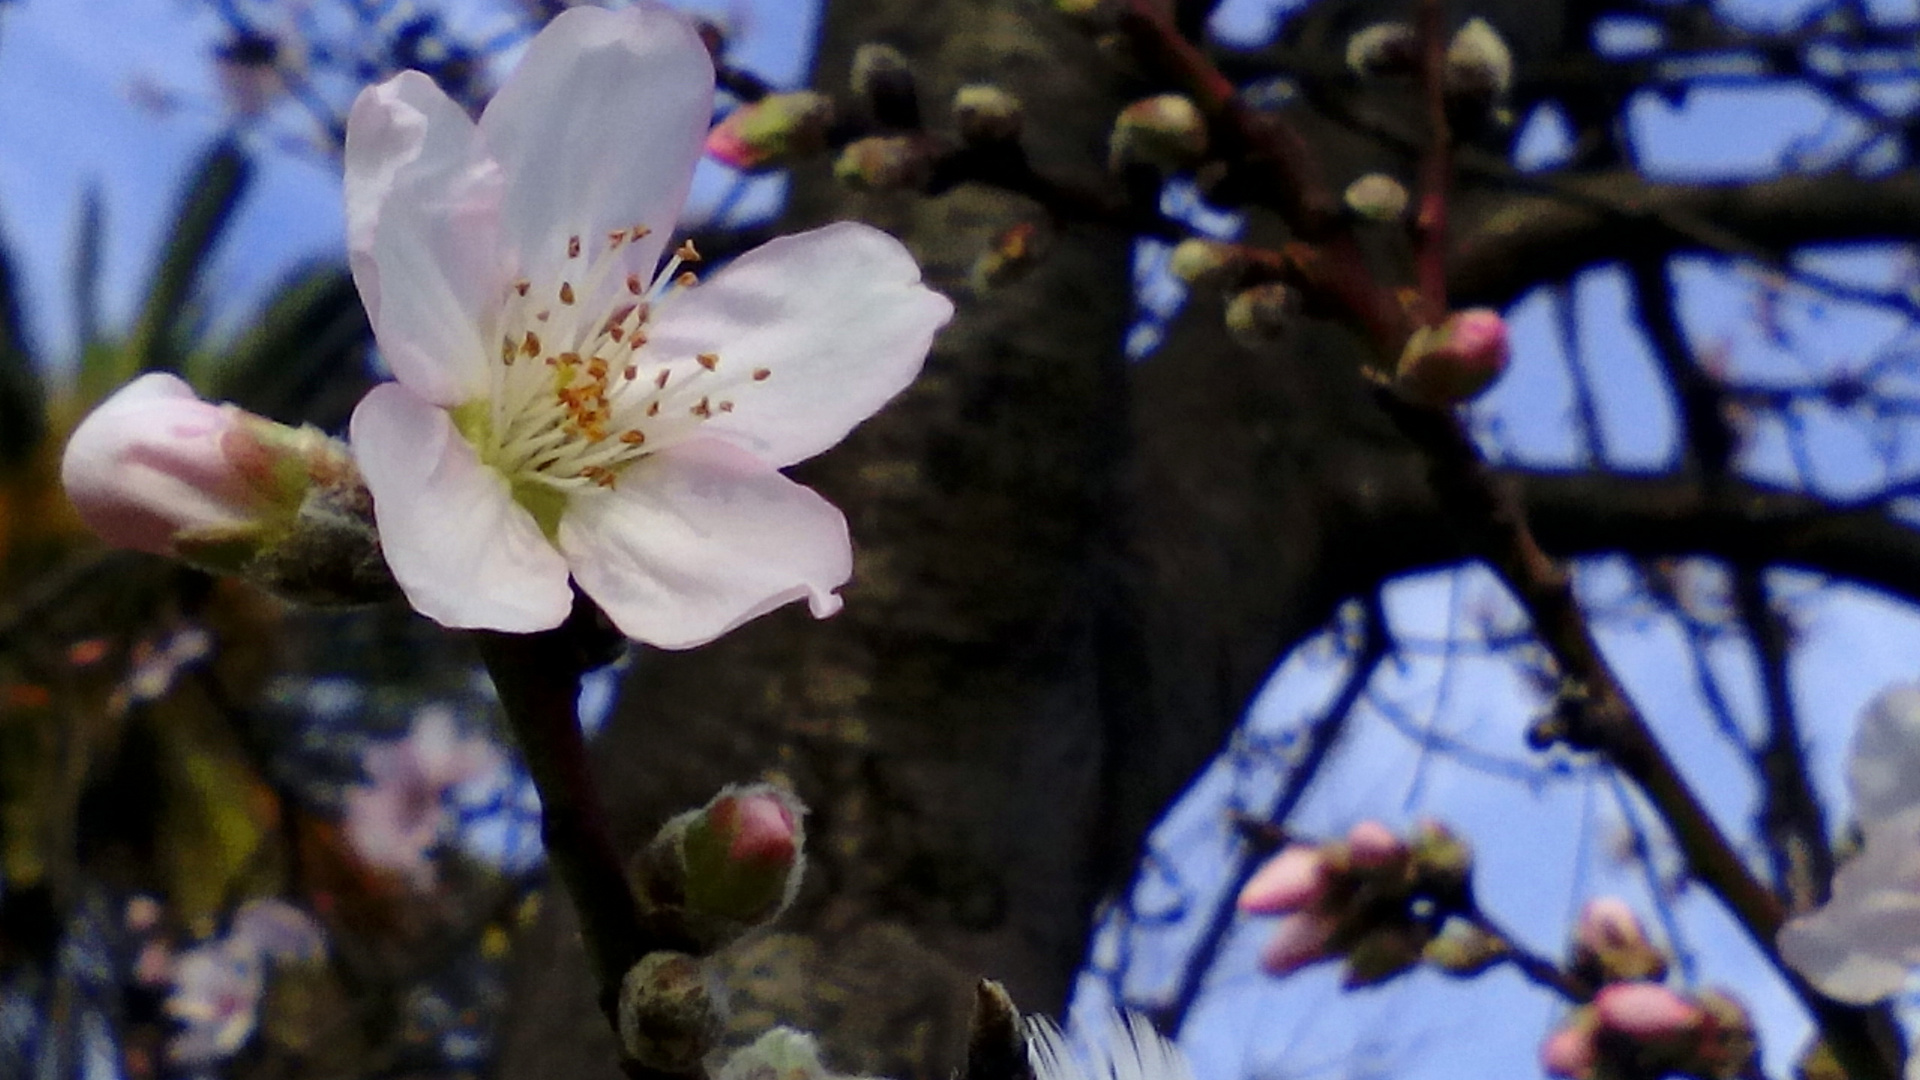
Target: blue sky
127, 110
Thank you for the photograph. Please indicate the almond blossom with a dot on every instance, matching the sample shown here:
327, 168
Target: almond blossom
562, 409
217, 986
395, 821
1861, 946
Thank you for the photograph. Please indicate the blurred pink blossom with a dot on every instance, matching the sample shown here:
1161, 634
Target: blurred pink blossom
217, 985
396, 819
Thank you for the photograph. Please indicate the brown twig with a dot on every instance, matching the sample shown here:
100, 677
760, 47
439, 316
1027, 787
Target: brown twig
1436, 165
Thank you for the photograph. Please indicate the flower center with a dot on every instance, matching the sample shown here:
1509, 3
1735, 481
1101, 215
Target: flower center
576, 397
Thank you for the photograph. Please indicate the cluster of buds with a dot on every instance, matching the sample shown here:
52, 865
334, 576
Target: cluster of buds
1478, 70
1634, 1030
1372, 899
713, 874
709, 877
1636, 1027
1454, 362
773, 132
156, 469
1166, 132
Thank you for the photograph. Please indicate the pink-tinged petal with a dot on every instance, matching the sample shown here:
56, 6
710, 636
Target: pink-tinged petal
1372, 845
814, 332
1883, 768
463, 551
702, 537
1294, 879
1862, 945
1570, 1052
1298, 940
277, 930
148, 463
423, 206
1645, 1010
598, 129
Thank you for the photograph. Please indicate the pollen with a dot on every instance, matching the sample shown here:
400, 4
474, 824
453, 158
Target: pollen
597, 400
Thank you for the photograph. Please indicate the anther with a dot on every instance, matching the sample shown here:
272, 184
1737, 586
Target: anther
531, 344
726, 406
522, 286
702, 410
640, 231
633, 436
760, 374
616, 238
686, 252
653, 408
631, 372
573, 247
686, 280
566, 292
709, 360
633, 284
660, 380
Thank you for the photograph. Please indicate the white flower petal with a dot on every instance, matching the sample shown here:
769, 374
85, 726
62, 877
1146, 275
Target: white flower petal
1860, 946
1884, 766
423, 205
462, 550
836, 317
702, 537
598, 129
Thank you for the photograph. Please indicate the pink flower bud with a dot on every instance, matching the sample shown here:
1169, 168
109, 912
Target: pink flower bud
1609, 944
1607, 923
1372, 845
1293, 880
772, 132
1645, 1010
759, 826
1454, 362
1570, 1052
741, 854
151, 463
1298, 940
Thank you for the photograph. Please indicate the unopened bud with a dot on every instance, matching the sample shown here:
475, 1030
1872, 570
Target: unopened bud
1080, 8
715, 873
1382, 953
1465, 950
1373, 846
1294, 880
1454, 362
773, 132
885, 163
1442, 861
1479, 64
1262, 314
1571, 1052
156, 469
985, 114
672, 1011
782, 1053
882, 78
1646, 1010
1609, 945
1167, 132
1382, 49
1728, 1045
1377, 197
1298, 939
1205, 262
